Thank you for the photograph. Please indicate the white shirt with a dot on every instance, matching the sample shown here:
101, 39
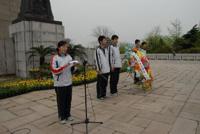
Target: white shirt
101, 60
116, 58
144, 52
62, 75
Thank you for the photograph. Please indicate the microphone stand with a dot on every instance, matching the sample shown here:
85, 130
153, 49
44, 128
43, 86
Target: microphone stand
86, 121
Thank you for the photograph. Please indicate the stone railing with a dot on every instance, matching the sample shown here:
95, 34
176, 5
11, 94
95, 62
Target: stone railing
165, 56
191, 57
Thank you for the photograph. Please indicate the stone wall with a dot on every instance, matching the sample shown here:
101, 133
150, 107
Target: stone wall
28, 34
7, 57
8, 12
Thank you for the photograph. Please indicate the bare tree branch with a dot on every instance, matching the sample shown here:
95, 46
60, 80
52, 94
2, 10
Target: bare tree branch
175, 30
102, 30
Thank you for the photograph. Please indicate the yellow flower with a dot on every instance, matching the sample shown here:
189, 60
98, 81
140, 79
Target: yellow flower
32, 83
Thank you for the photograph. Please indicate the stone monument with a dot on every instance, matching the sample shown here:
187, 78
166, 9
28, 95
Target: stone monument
34, 26
37, 10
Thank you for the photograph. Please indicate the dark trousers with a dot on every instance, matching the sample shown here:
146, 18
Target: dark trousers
64, 98
114, 78
136, 79
102, 82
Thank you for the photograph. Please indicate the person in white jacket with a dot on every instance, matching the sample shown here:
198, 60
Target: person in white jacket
102, 67
116, 65
61, 69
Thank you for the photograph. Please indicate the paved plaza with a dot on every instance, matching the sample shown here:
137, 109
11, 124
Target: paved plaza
173, 107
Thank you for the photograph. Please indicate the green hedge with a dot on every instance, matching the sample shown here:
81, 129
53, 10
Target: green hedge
5, 93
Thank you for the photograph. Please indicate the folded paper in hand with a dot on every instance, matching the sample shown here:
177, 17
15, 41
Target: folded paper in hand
73, 62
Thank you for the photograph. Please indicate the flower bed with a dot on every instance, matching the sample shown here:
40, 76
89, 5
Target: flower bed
12, 88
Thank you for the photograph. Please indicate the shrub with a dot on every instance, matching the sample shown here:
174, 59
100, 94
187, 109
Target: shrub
17, 87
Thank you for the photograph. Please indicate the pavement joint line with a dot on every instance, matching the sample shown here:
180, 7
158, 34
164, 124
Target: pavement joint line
178, 115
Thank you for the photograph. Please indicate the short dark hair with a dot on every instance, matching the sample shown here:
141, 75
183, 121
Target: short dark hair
101, 38
114, 37
144, 42
60, 44
137, 41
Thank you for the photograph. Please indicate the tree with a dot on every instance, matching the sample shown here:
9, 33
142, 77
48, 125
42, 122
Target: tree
189, 42
199, 26
41, 51
156, 31
122, 47
77, 51
158, 43
102, 30
175, 30
193, 34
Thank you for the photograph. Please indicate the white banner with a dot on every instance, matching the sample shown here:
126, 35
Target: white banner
143, 70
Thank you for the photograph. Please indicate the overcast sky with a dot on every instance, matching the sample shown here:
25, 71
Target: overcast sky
130, 19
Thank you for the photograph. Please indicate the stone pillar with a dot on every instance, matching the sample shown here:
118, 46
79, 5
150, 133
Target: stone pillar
27, 34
